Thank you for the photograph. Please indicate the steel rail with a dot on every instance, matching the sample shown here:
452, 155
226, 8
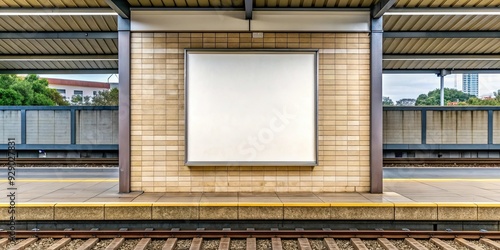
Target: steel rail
337, 234
441, 160
65, 161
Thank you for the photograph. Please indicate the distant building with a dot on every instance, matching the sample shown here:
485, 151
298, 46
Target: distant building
470, 84
69, 88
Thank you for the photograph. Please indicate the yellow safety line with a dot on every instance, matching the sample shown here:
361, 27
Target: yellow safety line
430, 179
63, 180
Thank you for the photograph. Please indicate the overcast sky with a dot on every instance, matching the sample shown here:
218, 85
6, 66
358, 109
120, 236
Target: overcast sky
395, 86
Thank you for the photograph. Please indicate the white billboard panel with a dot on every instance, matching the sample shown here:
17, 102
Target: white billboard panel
251, 107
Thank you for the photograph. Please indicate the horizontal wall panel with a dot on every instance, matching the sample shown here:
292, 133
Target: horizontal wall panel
345, 21
188, 21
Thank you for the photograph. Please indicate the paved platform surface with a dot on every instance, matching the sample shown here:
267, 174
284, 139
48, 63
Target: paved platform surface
92, 198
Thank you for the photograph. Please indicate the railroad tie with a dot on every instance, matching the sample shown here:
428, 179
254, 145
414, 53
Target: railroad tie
358, 244
196, 244
304, 244
330, 244
115, 244
467, 244
490, 243
59, 244
142, 244
414, 244
276, 244
224, 243
386, 244
24, 244
90, 243
441, 244
4, 241
170, 244
251, 244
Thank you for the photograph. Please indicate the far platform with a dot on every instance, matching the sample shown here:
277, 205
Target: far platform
404, 199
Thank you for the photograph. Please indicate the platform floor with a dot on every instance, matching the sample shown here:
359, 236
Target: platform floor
395, 190
457, 199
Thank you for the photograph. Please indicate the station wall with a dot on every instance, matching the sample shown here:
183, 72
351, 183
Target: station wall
157, 116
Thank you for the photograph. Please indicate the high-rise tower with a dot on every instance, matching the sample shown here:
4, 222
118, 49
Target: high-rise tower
470, 84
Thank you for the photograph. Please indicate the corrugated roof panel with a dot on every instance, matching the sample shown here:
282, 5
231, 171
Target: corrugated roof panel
312, 3
441, 64
203, 3
441, 23
53, 3
59, 46
447, 3
187, 3
58, 23
59, 65
190, 3
142, 3
441, 45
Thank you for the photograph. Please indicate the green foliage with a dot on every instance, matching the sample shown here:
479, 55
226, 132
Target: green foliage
103, 98
406, 102
10, 97
106, 98
28, 91
450, 95
56, 97
78, 100
386, 101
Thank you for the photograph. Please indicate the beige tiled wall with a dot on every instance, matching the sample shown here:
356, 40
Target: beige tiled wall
157, 111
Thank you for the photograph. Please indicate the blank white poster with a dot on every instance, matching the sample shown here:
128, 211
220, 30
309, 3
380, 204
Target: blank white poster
251, 108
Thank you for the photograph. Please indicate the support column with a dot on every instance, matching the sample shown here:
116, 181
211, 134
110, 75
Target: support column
441, 75
376, 113
124, 104
441, 93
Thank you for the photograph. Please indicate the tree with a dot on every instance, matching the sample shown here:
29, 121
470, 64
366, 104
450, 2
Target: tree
450, 95
78, 100
406, 102
106, 98
29, 91
102, 98
386, 101
10, 97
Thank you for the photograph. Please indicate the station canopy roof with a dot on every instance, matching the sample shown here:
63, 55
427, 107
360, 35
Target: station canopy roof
80, 36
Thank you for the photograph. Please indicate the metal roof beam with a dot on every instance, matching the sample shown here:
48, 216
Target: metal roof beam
441, 57
59, 71
380, 8
442, 34
122, 7
59, 35
248, 9
284, 9
443, 11
10, 58
57, 12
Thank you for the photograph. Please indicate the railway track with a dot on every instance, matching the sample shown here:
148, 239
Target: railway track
65, 161
251, 239
447, 161
114, 161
